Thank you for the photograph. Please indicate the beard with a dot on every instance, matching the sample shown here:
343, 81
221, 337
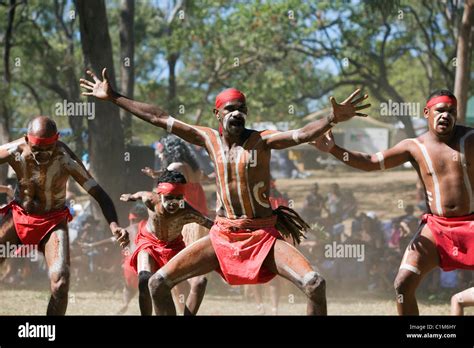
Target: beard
234, 122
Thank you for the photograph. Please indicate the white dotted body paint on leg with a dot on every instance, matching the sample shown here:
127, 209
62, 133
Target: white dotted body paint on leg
164, 276
302, 280
59, 264
169, 124
410, 268
381, 160
310, 276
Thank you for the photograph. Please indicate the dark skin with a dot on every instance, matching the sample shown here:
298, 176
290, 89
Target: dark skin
168, 218
200, 258
42, 172
442, 143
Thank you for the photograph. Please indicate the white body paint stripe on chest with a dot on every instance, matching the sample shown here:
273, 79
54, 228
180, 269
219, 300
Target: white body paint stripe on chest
214, 155
429, 163
467, 181
237, 175
51, 174
226, 175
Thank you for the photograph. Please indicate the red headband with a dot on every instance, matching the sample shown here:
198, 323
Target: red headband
168, 188
43, 141
441, 99
228, 95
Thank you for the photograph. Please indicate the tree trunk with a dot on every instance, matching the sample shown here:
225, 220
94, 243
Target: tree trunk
6, 90
4, 137
463, 60
173, 103
106, 142
127, 66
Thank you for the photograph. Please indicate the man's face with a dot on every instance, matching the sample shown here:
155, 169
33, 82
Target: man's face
232, 116
441, 118
172, 203
42, 154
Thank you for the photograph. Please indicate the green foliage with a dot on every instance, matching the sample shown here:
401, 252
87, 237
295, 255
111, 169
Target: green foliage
287, 56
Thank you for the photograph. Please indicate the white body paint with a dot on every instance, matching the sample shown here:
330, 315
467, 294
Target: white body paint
52, 172
60, 264
256, 188
429, 164
381, 160
169, 124
225, 122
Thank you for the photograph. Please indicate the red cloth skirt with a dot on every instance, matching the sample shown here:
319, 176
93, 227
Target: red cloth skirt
241, 251
31, 228
454, 239
159, 250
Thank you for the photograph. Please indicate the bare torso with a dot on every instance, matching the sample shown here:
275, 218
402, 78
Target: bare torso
167, 227
42, 188
447, 172
242, 174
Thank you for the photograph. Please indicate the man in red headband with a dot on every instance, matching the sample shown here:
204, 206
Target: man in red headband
245, 245
159, 238
38, 215
444, 159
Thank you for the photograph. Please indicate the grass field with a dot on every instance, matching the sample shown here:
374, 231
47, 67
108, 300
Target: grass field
27, 302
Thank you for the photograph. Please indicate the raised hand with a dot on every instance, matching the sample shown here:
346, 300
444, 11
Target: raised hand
349, 107
99, 89
325, 142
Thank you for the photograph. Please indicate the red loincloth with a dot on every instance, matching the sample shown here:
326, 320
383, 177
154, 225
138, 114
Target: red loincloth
159, 250
454, 240
241, 247
31, 228
196, 197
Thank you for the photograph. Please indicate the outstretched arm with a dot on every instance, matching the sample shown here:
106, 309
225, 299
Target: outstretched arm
80, 174
150, 199
340, 113
387, 159
147, 112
